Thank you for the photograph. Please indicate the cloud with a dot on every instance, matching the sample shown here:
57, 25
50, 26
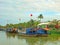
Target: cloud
22, 8
34, 5
39, 5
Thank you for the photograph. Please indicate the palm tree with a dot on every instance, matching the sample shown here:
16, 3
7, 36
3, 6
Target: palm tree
40, 17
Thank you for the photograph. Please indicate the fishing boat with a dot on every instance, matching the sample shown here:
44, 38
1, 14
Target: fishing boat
12, 30
30, 32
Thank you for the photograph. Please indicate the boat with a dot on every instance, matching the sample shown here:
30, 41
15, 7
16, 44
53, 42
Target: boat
2, 29
12, 30
30, 32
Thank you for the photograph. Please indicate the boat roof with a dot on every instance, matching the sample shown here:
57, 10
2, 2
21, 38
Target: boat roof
43, 23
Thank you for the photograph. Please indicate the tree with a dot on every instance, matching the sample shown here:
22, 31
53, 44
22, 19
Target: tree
40, 17
31, 23
54, 21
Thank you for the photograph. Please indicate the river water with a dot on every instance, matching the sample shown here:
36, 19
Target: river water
14, 39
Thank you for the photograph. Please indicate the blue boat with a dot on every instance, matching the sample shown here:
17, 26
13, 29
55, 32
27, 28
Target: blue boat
32, 32
35, 32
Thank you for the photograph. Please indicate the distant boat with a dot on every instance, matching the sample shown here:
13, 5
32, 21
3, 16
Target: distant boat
2, 29
12, 30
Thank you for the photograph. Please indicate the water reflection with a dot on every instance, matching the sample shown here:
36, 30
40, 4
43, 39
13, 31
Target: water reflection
29, 40
41, 40
9, 35
50, 40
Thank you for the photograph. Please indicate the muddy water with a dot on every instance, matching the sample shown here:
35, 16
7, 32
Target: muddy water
14, 39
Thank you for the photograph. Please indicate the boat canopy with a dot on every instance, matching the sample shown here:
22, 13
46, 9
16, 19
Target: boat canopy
43, 23
32, 31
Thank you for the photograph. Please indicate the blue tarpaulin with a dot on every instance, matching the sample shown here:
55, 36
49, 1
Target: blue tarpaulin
31, 31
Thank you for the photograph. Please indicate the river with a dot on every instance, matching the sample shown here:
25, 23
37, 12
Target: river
14, 39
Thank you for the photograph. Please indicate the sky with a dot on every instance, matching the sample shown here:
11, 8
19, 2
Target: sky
13, 10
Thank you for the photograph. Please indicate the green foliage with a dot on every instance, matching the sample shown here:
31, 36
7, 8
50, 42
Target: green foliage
31, 23
40, 17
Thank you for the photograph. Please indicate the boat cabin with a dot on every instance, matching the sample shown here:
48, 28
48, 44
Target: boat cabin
41, 29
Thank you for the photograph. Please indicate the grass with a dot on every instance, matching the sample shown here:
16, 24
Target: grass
54, 31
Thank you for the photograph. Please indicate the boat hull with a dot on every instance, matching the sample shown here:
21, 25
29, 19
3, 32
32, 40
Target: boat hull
33, 35
10, 31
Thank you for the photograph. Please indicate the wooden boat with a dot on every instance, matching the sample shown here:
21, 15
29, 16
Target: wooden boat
37, 31
33, 33
11, 30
